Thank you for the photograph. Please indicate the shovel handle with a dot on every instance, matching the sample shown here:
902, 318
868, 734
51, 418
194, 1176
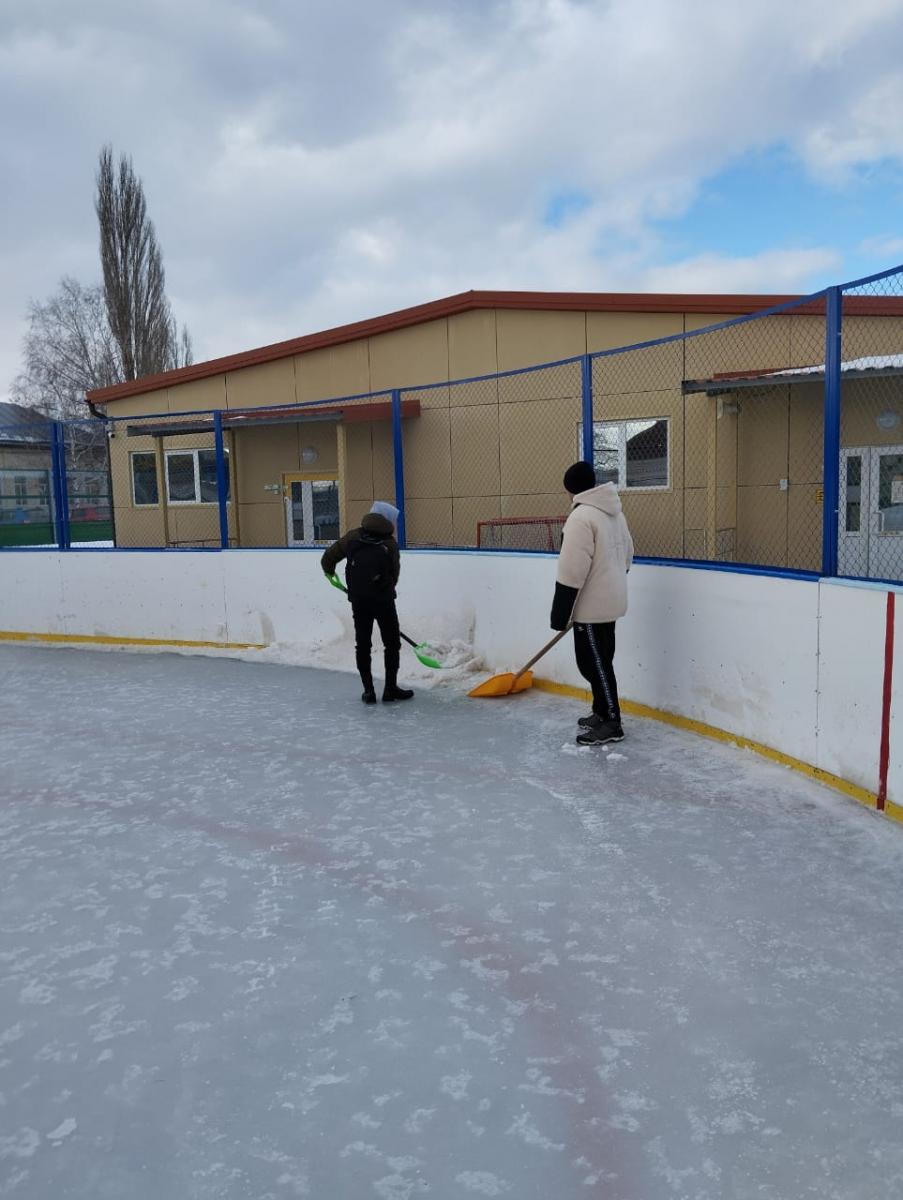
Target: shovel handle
546, 648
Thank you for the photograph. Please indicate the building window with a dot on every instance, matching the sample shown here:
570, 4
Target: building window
22, 490
633, 455
191, 476
144, 478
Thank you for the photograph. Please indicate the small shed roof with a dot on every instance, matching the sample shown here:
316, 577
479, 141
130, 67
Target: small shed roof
21, 426
871, 366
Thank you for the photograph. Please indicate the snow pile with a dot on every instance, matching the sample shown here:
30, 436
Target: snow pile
329, 645
459, 662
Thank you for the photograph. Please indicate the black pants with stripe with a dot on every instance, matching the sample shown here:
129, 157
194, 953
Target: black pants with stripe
594, 647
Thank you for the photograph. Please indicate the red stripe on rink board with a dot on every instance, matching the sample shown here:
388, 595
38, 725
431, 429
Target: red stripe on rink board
885, 703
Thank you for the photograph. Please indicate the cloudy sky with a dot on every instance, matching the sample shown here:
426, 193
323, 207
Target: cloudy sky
312, 162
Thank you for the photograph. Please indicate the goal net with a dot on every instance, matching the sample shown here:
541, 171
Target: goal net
520, 533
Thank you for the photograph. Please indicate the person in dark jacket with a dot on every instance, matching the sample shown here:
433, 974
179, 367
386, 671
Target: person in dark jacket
371, 577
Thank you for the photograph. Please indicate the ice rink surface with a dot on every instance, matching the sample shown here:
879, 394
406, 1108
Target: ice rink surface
257, 940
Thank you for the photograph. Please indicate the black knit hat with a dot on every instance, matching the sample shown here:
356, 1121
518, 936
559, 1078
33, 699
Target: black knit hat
579, 478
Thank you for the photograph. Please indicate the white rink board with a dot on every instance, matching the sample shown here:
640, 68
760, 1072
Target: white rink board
733, 650
895, 771
144, 595
31, 592
851, 681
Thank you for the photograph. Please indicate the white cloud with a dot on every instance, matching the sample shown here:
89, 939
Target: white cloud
772, 271
886, 248
331, 161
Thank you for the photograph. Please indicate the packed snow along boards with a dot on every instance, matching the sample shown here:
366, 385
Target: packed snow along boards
424, 652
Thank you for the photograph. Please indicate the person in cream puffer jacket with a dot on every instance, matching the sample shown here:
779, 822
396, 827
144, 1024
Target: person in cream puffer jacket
591, 591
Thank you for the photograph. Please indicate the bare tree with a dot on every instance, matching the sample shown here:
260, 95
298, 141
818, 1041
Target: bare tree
134, 283
68, 349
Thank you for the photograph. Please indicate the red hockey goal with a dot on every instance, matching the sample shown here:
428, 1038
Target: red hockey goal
520, 533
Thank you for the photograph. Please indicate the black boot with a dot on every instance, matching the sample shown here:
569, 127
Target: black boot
392, 691
369, 696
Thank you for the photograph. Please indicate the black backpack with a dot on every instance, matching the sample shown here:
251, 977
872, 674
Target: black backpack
369, 571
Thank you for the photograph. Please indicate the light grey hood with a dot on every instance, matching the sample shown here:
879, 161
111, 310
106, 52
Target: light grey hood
604, 497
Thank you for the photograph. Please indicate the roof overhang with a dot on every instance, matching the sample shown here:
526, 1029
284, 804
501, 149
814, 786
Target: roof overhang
253, 418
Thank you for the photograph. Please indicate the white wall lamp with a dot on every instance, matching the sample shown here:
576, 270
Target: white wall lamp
309, 455
887, 420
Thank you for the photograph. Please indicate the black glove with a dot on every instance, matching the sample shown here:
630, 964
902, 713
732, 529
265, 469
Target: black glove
563, 606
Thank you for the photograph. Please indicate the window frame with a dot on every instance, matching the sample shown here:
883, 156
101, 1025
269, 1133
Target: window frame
620, 424
197, 502
135, 502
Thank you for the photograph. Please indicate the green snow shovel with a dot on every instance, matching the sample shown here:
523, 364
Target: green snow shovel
423, 651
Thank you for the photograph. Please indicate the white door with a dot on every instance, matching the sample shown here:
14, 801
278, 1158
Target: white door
853, 533
886, 513
311, 511
870, 533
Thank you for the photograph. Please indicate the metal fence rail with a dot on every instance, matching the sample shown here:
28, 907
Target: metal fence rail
772, 441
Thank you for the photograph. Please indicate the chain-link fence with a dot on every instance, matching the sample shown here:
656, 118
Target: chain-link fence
258, 477
870, 536
716, 458
87, 494
29, 513
490, 450
773, 440
165, 480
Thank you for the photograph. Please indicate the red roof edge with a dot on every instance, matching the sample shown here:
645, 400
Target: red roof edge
634, 302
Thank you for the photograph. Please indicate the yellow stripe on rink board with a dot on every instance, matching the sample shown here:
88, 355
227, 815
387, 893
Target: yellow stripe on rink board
860, 794
894, 811
96, 639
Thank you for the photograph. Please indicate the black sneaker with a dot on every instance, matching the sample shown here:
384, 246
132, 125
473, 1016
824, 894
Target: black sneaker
369, 696
599, 733
396, 693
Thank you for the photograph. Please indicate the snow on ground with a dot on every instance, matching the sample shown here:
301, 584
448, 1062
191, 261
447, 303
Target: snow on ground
257, 940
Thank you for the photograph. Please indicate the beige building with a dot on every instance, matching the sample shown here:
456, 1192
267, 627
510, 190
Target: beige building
715, 439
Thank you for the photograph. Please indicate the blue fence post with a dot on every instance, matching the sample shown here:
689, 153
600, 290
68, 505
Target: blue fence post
60, 486
586, 395
833, 350
398, 454
55, 483
222, 480
64, 488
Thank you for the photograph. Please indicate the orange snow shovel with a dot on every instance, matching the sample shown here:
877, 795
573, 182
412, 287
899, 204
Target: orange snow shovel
508, 684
